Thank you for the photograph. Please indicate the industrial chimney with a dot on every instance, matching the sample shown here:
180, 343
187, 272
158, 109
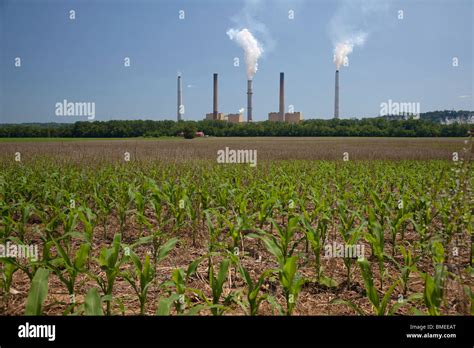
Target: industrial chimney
180, 98
336, 96
215, 109
249, 101
282, 95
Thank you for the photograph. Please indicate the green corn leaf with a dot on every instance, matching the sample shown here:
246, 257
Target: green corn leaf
386, 298
165, 305
166, 248
81, 256
328, 281
221, 276
193, 267
38, 292
93, 303
369, 282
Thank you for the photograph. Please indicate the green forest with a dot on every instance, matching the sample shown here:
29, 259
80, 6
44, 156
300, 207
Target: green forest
369, 127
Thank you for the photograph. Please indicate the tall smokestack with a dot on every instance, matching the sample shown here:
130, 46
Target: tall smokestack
249, 101
336, 96
180, 98
215, 109
282, 94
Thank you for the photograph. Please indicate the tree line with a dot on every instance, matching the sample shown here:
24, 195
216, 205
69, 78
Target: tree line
369, 127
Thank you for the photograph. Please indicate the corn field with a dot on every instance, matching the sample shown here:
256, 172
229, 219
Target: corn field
193, 237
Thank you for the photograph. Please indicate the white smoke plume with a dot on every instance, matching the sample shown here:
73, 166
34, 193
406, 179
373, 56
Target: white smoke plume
351, 24
344, 48
252, 49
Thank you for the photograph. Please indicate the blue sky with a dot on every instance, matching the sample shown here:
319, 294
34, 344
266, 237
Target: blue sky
407, 60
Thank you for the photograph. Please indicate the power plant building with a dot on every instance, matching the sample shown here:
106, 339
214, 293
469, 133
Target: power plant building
276, 117
217, 117
290, 117
293, 117
281, 116
235, 118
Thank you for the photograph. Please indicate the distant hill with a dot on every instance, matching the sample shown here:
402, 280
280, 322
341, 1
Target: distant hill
442, 117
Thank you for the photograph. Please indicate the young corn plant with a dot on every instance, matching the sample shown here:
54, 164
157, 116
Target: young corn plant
408, 266
217, 284
380, 305
291, 282
350, 235
253, 296
139, 199
281, 246
194, 215
235, 231
67, 266
141, 278
26, 211
266, 208
89, 220
121, 204
381, 210
315, 236
110, 262
176, 200
422, 217
319, 214
215, 230
156, 201
178, 290
433, 293
160, 247
104, 205
397, 224
376, 238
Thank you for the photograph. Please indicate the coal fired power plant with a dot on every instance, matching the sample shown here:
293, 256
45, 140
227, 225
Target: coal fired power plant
281, 116
336, 96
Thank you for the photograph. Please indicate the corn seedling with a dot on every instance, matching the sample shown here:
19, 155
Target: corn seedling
253, 297
315, 237
350, 235
375, 236
380, 305
68, 266
434, 285
291, 282
110, 262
